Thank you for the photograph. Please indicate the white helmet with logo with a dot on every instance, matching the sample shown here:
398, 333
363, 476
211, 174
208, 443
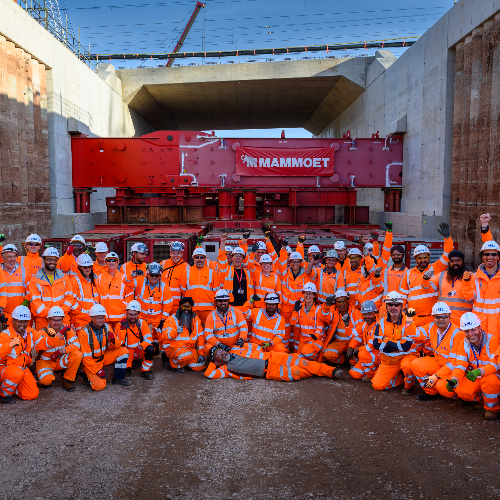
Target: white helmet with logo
21, 313
84, 260
394, 297
55, 312
469, 320
34, 238
101, 247
51, 252
490, 245
313, 249
440, 308
78, 238
222, 295
295, 256
420, 249
238, 251
310, 287
272, 298
97, 310
339, 245
134, 305
266, 258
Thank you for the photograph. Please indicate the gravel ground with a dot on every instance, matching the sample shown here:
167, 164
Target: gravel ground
182, 436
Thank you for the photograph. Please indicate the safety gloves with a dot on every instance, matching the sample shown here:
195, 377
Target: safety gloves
138, 272
246, 235
378, 272
255, 247
240, 343
298, 306
428, 274
388, 226
350, 352
265, 345
55, 355
222, 346
254, 298
199, 240
330, 300
451, 384
444, 230
467, 276
302, 239
473, 374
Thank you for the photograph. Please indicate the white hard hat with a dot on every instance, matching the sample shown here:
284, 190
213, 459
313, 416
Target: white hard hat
354, 251
272, 298
22, 313
368, 245
420, 249
332, 254
313, 249
101, 247
199, 251
111, 255
97, 310
79, 238
340, 293
288, 249
440, 308
339, 245
469, 320
34, 238
177, 246
55, 312
84, 260
134, 305
228, 249
51, 252
238, 250
139, 247
266, 258
222, 295
10, 248
394, 297
490, 245
295, 256
310, 287
262, 245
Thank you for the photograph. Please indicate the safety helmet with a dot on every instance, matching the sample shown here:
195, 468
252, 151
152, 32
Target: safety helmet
228, 249
101, 247
154, 268
468, 321
199, 251
111, 255
21, 313
368, 246
288, 249
262, 245
238, 250
295, 256
177, 246
313, 249
55, 312
134, 305
97, 310
339, 245
332, 254
222, 295
139, 247
420, 249
272, 298
78, 238
440, 308
354, 251
34, 238
84, 260
310, 287
368, 306
51, 252
340, 293
10, 248
490, 245
266, 258
394, 297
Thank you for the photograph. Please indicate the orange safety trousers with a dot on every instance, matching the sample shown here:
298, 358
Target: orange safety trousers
183, 356
389, 375
110, 356
289, 367
17, 380
366, 365
427, 366
70, 362
335, 352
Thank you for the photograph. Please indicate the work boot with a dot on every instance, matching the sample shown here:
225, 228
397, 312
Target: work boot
478, 406
178, 370
366, 379
157, 349
337, 373
427, 397
490, 415
165, 362
148, 375
406, 392
69, 385
121, 381
128, 372
7, 400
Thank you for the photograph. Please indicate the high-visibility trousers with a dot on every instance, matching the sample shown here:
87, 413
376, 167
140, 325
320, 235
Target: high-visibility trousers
16, 380
367, 364
70, 362
119, 355
335, 352
289, 367
287, 315
426, 366
389, 375
184, 356
309, 350
145, 354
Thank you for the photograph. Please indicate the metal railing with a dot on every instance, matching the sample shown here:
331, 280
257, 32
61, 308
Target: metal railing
42, 14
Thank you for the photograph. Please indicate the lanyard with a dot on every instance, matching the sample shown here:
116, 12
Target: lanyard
224, 320
240, 277
46, 277
474, 352
453, 283
442, 336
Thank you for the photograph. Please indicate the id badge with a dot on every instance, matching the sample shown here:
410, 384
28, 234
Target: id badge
180, 329
240, 291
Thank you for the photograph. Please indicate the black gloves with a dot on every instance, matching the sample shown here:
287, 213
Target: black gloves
444, 230
298, 306
246, 235
199, 240
139, 272
350, 352
388, 226
330, 300
255, 247
222, 346
374, 235
302, 239
240, 343
256, 297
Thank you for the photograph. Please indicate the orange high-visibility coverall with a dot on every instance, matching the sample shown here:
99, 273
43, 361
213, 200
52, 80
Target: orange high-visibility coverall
397, 351
328, 284
265, 284
441, 362
135, 337
114, 294
352, 280
86, 294
15, 375
183, 347
3, 296
370, 288
226, 330
43, 296
69, 361
98, 269
485, 292
391, 279
253, 265
32, 262
200, 285
465, 358
129, 266
280, 366
96, 355
305, 325
67, 264
14, 288
265, 328
171, 275
368, 356
417, 296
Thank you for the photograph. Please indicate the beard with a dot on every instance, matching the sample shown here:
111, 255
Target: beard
185, 319
453, 273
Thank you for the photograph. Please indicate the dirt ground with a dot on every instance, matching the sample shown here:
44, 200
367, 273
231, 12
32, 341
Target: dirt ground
185, 437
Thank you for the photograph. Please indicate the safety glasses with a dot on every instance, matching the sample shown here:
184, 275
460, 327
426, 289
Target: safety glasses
199, 257
111, 260
490, 254
393, 304
33, 244
154, 275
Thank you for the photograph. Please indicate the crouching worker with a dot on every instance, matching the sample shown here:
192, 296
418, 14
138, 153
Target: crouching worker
100, 347
270, 365
137, 338
16, 344
65, 357
183, 338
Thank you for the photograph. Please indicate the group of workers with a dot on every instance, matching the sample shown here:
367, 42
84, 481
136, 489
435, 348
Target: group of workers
254, 313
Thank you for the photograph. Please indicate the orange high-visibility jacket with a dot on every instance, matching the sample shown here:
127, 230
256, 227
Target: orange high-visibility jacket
370, 288
395, 341
43, 295
200, 285
383, 258
3, 288
466, 357
14, 288
226, 329
171, 275
32, 262
98, 269
309, 323
391, 278
67, 264
114, 294
173, 337
352, 280
291, 288
364, 335
129, 266
132, 336
265, 328
66, 338
265, 284
328, 284
253, 265
86, 294
338, 332
485, 292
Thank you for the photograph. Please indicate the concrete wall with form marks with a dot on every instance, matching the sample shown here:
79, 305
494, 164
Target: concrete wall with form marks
76, 97
415, 95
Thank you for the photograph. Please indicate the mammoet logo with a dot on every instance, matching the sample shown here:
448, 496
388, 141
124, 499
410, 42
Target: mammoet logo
285, 162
